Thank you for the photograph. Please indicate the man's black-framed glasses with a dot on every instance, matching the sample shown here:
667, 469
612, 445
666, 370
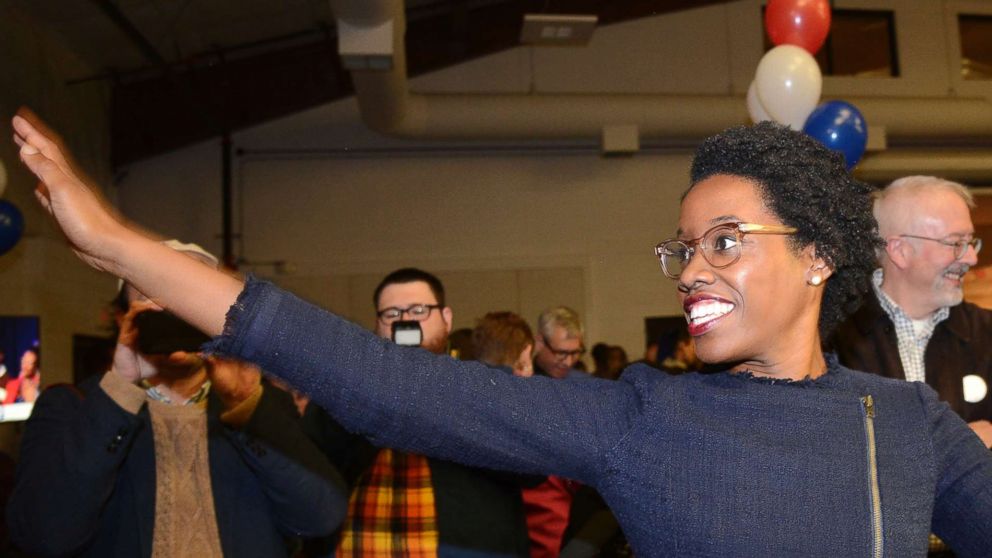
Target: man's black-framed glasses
563, 355
720, 246
416, 312
960, 246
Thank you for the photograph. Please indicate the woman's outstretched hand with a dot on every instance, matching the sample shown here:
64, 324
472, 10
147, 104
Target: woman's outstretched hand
91, 226
196, 293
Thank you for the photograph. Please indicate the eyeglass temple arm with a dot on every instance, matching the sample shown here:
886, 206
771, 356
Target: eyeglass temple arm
766, 229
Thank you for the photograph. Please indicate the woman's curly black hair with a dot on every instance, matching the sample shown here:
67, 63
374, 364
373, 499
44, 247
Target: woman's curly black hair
808, 187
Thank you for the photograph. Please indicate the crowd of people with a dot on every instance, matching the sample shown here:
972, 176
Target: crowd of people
792, 275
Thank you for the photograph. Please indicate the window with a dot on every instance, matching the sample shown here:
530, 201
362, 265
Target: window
861, 43
976, 46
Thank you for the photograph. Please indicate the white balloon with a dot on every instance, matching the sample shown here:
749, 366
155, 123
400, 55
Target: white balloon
788, 83
3, 177
975, 388
754, 108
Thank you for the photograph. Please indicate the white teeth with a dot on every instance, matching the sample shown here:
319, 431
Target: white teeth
956, 276
708, 310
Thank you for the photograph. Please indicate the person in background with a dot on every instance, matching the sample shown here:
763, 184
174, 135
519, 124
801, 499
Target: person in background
558, 346
504, 339
26, 386
460, 344
402, 503
600, 356
656, 349
683, 357
915, 324
169, 453
558, 343
616, 363
781, 452
610, 360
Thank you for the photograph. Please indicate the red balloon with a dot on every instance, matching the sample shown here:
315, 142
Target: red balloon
803, 23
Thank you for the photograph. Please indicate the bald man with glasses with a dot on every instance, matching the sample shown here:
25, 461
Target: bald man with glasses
915, 326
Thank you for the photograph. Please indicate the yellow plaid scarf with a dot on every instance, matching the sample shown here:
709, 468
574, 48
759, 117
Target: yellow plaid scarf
391, 512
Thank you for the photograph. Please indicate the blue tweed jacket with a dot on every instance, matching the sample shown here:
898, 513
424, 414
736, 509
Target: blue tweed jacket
724, 464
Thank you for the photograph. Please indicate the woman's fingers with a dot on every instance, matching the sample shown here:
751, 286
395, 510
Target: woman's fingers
42, 198
33, 139
37, 139
49, 173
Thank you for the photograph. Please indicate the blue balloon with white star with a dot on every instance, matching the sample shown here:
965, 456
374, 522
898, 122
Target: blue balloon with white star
840, 126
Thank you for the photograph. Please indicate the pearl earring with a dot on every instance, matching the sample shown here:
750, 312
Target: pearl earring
815, 280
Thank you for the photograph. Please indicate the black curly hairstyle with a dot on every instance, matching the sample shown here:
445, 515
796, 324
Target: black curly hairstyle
808, 187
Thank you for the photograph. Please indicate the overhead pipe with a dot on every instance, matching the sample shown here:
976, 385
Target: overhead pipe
970, 166
388, 106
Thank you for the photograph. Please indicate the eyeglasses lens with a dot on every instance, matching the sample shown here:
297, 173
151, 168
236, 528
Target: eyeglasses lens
674, 256
721, 246
961, 248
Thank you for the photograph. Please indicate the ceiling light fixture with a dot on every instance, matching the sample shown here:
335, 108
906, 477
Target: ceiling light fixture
557, 29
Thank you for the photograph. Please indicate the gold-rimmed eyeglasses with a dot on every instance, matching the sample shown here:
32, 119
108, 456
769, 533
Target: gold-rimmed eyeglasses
960, 246
720, 246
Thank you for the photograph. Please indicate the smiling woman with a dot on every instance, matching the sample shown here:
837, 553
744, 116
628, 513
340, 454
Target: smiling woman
783, 453
774, 216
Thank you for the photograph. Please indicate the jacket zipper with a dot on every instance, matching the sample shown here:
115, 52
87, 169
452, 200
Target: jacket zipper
868, 405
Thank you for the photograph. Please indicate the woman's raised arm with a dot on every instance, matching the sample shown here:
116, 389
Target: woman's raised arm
196, 293
401, 397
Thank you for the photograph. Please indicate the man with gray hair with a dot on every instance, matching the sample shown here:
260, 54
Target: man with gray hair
558, 343
916, 326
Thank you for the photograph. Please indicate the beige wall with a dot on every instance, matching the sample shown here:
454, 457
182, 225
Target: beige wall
581, 226
529, 230
41, 276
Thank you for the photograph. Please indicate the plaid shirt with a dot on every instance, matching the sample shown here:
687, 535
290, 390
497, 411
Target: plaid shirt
391, 512
912, 344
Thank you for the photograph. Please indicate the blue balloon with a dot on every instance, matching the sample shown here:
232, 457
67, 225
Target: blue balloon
11, 225
841, 127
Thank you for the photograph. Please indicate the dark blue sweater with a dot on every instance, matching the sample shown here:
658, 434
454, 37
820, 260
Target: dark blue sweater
692, 465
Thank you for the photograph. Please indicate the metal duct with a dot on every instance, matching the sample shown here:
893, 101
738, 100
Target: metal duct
388, 106
972, 166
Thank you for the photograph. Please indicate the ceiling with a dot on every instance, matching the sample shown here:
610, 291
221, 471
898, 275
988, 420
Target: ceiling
182, 71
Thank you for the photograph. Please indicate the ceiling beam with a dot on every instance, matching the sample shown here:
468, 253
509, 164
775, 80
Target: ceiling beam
124, 25
181, 105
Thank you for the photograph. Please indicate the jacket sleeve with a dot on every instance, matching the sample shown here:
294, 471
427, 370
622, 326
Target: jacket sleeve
962, 514
351, 453
412, 400
308, 498
71, 453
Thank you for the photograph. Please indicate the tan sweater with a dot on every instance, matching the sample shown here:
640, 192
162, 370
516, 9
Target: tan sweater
185, 518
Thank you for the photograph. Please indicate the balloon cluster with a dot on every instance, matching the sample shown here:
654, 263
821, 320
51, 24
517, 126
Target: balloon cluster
788, 82
11, 220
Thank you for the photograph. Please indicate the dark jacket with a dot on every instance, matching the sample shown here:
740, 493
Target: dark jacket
961, 345
722, 464
86, 478
478, 511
